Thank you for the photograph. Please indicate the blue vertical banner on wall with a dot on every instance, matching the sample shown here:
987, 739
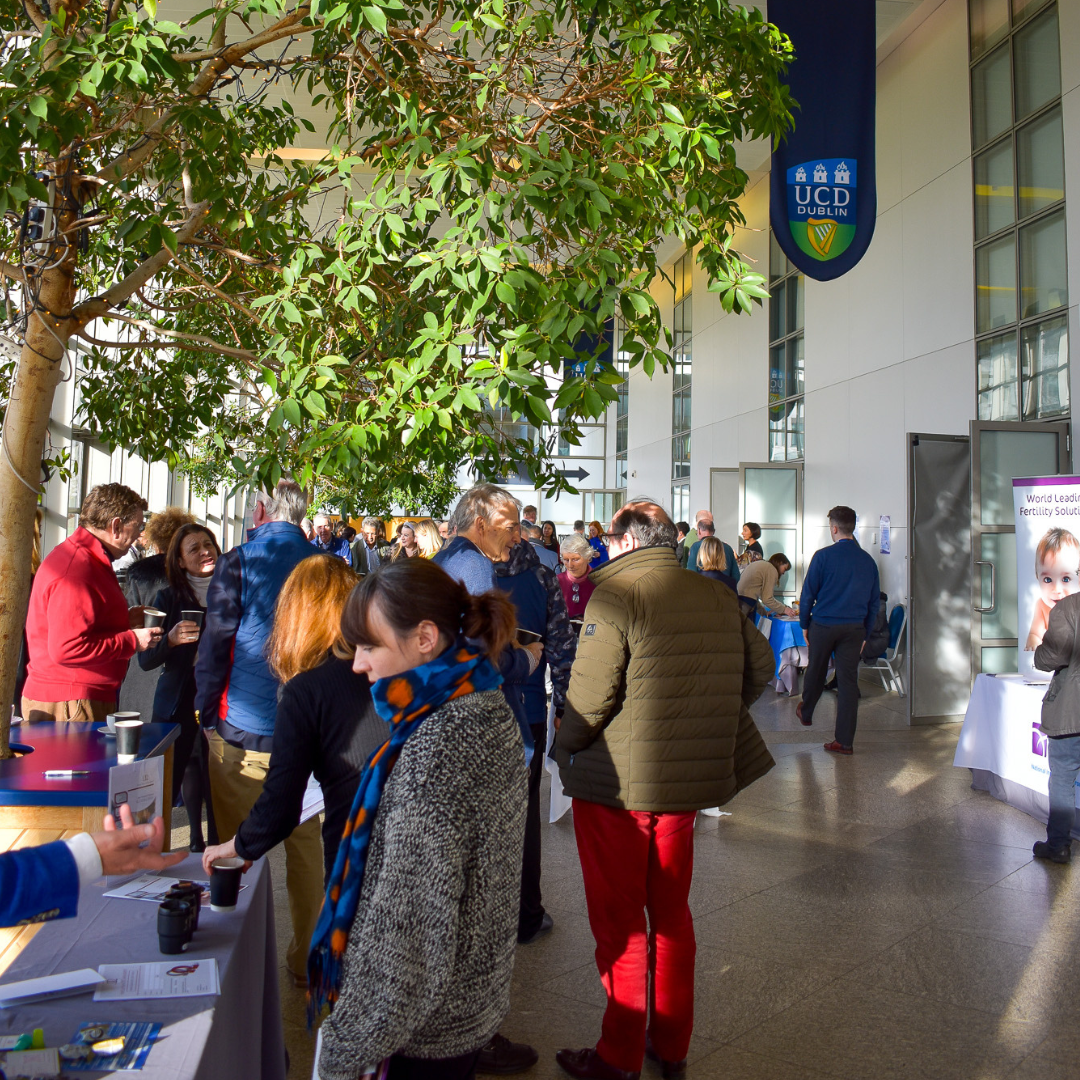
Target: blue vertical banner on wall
824, 187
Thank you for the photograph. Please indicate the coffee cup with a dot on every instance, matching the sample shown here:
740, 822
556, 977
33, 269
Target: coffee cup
153, 617
113, 717
127, 740
225, 883
528, 637
188, 890
174, 925
193, 616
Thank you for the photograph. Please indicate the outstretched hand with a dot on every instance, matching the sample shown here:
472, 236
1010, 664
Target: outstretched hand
119, 848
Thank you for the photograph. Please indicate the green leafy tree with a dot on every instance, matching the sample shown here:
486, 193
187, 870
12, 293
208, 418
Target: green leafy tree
497, 175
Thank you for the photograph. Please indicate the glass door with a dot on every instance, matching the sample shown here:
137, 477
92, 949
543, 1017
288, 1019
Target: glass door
772, 495
1000, 452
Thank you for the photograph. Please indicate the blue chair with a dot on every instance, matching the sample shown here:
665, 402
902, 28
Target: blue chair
888, 666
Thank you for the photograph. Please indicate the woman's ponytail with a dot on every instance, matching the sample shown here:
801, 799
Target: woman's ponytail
489, 618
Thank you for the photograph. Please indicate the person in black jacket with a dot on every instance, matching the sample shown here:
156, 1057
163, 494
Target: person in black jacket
189, 565
326, 724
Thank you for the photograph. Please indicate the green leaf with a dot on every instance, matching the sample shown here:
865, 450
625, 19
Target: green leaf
375, 18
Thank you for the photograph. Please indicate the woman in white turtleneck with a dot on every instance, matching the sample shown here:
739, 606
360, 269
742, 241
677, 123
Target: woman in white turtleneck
189, 567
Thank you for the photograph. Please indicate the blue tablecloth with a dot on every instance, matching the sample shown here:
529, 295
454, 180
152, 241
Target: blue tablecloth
785, 634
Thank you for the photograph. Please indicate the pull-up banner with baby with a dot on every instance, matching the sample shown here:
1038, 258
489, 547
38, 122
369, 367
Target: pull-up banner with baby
823, 202
1047, 512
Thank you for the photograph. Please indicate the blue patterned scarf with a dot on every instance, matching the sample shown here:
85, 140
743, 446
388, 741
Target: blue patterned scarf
404, 700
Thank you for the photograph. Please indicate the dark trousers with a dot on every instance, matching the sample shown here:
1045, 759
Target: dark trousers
532, 908
1064, 751
458, 1068
191, 768
844, 644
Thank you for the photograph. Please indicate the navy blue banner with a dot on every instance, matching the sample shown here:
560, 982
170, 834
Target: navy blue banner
824, 188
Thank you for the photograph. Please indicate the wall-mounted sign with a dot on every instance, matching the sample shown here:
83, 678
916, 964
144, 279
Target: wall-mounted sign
824, 187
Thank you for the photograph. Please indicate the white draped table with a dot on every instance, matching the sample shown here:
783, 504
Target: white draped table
1001, 744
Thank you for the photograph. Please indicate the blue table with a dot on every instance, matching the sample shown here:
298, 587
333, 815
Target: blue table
29, 801
785, 634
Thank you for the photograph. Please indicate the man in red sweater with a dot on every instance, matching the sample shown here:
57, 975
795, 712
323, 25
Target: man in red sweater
79, 631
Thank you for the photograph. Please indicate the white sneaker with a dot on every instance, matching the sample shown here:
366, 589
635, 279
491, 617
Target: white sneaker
715, 811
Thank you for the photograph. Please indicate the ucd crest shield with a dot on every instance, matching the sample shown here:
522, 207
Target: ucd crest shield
821, 203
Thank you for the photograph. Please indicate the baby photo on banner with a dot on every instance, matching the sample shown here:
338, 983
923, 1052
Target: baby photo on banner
1047, 555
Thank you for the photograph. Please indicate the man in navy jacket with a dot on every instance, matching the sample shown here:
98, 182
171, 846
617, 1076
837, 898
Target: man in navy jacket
42, 883
839, 602
236, 694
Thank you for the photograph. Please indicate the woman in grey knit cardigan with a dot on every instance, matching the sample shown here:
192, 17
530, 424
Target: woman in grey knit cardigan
423, 978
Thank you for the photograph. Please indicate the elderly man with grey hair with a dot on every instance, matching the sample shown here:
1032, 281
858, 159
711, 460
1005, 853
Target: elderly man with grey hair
370, 549
327, 543
236, 692
487, 525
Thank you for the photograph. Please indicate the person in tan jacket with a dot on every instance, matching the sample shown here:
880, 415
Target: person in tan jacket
758, 583
656, 727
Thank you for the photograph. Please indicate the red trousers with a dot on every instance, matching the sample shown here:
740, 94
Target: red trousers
635, 862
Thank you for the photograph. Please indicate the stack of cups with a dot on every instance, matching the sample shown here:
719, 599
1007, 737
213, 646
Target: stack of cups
178, 917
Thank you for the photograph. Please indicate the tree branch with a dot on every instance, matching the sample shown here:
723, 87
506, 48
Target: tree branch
97, 306
178, 338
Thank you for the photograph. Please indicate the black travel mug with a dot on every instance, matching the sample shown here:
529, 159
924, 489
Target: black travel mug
174, 926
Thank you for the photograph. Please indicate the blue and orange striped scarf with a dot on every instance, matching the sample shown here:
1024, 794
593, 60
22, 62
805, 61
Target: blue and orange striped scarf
404, 700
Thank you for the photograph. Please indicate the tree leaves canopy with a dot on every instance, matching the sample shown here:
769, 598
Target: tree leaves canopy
495, 181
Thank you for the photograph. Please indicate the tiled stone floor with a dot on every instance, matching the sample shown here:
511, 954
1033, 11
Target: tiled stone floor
857, 917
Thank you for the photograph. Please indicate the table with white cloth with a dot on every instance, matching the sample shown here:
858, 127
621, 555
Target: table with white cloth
235, 1035
789, 647
1001, 744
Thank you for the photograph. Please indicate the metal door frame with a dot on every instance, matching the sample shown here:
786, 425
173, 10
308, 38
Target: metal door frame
978, 530
795, 556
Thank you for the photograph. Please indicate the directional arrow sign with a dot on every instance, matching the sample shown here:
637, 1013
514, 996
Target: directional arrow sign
574, 474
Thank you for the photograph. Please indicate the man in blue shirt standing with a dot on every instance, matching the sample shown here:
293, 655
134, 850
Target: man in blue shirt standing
329, 544
839, 602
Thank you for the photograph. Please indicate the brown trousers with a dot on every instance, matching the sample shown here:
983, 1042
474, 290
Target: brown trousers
36, 711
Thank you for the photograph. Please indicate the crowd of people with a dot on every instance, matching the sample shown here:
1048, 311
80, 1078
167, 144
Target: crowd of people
411, 679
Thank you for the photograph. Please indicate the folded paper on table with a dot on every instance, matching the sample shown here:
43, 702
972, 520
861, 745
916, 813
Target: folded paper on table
66, 984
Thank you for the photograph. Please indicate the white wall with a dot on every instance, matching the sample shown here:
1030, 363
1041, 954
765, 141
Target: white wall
889, 347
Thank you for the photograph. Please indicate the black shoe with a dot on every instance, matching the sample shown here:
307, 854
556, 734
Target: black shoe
1042, 850
501, 1057
198, 846
546, 923
589, 1065
831, 686
670, 1070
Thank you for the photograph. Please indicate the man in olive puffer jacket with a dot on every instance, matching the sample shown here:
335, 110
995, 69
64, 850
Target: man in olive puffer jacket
657, 726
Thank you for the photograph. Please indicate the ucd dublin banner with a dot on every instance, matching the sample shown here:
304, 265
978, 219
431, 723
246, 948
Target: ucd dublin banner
824, 192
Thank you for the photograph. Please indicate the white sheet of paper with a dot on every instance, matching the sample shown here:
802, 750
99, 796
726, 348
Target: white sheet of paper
139, 785
31, 1062
170, 979
153, 887
313, 800
65, 984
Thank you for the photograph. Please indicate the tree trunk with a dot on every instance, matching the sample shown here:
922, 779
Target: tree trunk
25, 428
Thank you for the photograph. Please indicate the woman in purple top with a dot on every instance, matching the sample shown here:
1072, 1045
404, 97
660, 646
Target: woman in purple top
574, 581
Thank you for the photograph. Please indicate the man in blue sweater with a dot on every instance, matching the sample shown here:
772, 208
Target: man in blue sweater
839, 602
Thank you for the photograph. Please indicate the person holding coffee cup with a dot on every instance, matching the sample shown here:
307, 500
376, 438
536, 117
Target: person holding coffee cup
189, 565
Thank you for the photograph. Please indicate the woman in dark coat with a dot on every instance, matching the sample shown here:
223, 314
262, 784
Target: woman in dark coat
189, 566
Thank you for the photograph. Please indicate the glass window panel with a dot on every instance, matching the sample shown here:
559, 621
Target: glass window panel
795, 432
777, 373
997, 378
680, 502
991, 97
778, 261
994, 189
989, 24
1040, 163
996, 660
999, 549
795, 366
1038, 64
1005, 454
995, 284
1023, 8
688, 310
1044, 349
1042, 265
680, 420
770, 496
796, 295
680, 457
778, 325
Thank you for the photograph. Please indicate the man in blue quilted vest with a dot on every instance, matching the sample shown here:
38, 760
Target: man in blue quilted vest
236, 694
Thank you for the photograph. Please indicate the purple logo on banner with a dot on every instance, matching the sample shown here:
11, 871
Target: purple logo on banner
1040, 746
